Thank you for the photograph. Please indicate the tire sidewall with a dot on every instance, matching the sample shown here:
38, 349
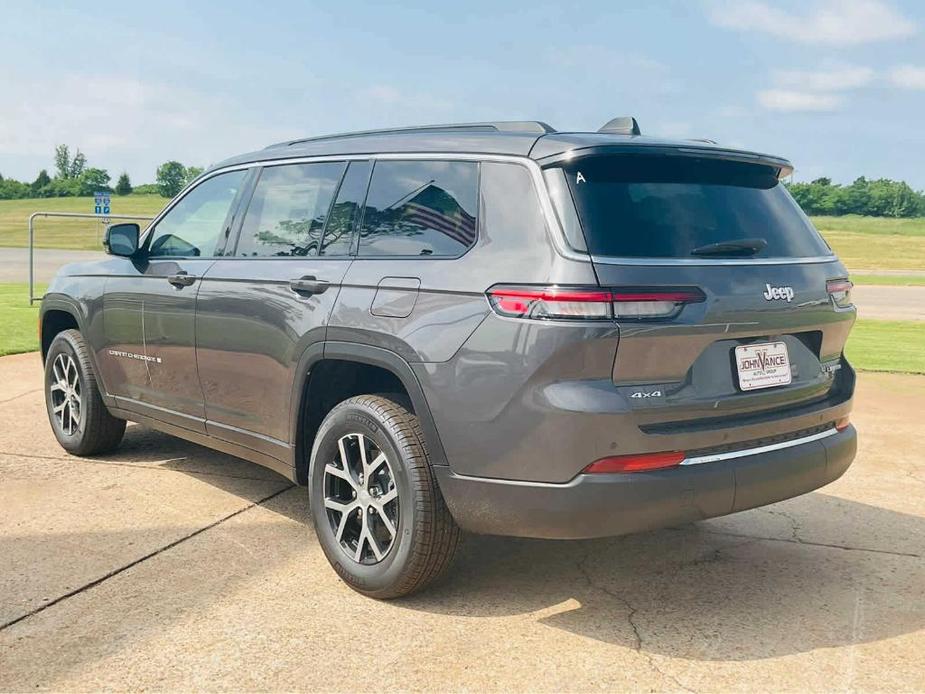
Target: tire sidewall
63, 344
351, 418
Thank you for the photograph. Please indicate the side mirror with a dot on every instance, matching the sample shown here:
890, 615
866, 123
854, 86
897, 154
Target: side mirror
121, 239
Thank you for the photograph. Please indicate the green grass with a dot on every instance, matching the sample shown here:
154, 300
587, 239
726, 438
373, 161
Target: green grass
876, 243
879, 226
874, 345
18, 320
73, 234
891, 280
886, 345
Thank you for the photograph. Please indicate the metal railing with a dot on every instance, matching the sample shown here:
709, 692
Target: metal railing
104, 219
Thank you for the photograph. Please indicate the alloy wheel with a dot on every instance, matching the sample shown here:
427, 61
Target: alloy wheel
65, 393
361, 499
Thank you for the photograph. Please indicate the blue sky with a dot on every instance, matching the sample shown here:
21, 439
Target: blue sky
836, 86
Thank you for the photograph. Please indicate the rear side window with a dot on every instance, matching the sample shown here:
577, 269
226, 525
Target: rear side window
288, 210
420, 208
645, 206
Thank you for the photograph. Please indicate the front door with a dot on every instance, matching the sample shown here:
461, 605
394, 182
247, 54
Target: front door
268, 300
151, 306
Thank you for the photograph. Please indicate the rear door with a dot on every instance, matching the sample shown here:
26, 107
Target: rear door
756, 322
268, 300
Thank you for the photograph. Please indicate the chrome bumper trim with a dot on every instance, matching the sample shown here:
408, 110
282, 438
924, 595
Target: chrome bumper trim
759, 449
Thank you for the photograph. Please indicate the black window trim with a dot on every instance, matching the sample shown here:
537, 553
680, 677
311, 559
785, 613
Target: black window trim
232, 218
478, 211
259, 169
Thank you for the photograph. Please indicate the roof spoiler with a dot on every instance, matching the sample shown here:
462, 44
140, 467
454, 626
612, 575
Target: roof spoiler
621, 125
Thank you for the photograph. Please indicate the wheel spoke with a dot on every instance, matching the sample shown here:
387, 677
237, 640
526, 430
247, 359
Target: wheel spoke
342, 474
73, 417
374, 545
358, 554
340, 506
390, 495
386, 521
377, 463
57, 386
59, 408
361, 442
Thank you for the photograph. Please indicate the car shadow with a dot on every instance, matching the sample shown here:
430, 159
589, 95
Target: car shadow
745, 587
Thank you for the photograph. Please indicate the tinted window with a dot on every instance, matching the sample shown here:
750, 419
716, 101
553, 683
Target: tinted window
665, 207
338, 235
425, 208
287, 212
195, 226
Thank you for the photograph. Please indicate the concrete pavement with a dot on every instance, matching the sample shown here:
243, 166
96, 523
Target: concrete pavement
168, 566
889, 303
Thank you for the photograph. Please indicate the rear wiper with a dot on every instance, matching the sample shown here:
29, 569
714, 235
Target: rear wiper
739, 247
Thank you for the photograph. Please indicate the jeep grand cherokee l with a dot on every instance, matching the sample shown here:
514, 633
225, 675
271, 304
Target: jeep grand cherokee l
494, 327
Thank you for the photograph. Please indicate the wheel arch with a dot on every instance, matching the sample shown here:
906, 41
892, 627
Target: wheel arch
353, 353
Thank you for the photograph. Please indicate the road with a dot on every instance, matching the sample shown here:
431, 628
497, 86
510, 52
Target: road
166, 566
14, 262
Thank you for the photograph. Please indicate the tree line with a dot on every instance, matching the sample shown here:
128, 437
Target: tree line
881, 197
73, 177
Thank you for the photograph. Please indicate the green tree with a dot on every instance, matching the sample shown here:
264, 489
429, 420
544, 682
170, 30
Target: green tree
42, 180
62, 162
78, 164
124, 185
92, 180
192, 172
171, 176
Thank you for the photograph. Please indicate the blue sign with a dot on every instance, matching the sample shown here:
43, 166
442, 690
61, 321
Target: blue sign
101, 203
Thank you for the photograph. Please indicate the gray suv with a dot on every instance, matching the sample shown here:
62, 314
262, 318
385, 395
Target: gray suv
492, 327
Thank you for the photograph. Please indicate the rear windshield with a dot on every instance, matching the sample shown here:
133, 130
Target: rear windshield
645, 206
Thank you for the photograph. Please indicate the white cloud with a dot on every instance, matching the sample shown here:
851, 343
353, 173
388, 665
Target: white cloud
908, 76
792, 100
827, 80
829, 22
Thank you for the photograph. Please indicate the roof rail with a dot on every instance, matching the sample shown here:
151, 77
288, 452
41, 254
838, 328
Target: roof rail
622, 125
512, 126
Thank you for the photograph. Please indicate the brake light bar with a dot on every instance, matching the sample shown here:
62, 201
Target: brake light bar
581, 303
636, 463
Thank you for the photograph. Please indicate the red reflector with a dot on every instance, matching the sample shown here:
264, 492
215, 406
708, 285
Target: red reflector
842, 424
835, 286
636, 463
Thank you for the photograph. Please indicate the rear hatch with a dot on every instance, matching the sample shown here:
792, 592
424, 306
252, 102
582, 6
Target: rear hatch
756, 309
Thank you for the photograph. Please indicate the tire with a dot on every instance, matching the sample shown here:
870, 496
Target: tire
93, 430
425, 536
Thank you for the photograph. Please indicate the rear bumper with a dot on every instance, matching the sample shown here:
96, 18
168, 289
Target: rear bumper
605, 505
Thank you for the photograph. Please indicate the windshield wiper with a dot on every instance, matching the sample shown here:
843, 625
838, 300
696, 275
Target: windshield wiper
739, 247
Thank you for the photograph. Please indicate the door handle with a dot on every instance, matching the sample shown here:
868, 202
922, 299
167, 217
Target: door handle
181, 279
308, 285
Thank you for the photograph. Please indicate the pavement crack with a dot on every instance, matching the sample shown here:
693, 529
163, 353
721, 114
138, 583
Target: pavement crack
20, 395
631, 611
809, 543
135, 562
794, 523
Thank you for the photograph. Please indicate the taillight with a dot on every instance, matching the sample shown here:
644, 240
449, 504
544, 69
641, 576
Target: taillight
578, 303
652, 303
840, 291
636, 463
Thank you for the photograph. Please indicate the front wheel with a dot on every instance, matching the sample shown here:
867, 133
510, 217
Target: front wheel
76, 412
376, 507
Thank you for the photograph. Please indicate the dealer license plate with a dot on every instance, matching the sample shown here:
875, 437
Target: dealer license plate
763, 365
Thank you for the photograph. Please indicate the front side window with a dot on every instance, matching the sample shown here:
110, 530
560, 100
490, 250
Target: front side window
195, 226
420, 208
288, 210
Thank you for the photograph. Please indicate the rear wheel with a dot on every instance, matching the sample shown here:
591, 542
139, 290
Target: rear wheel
376, 507
78, 417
